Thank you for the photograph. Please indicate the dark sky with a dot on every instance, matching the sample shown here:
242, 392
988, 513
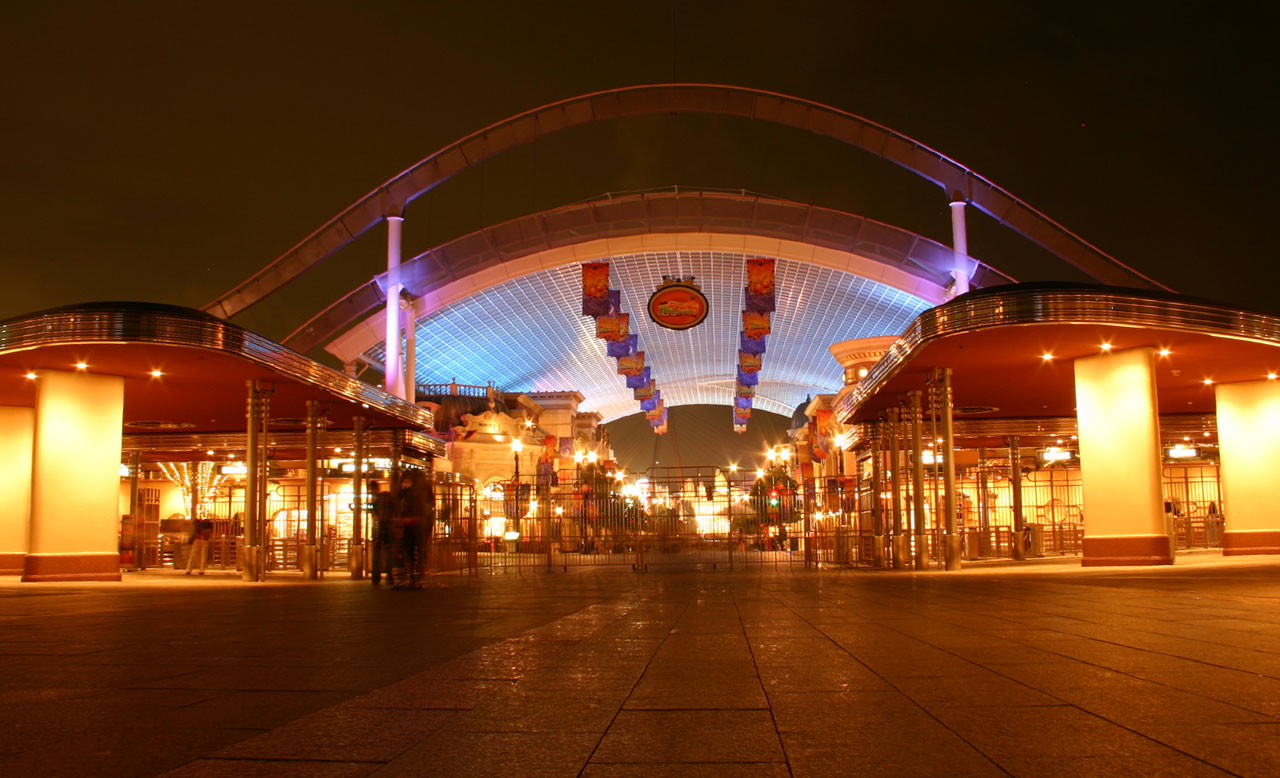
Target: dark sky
164, 151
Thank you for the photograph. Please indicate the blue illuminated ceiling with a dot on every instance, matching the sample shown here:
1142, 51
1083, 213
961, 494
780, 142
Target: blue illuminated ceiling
528, 334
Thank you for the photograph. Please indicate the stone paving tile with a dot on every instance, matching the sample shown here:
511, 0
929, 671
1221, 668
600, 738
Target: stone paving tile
1052, 731
454, 754
342, 734
1244, 749
429, 692
690, 736
901, 753
1246, 690
541, 711
970, 691
255, 709
684, 770
845, 675
1166, 765
256, 768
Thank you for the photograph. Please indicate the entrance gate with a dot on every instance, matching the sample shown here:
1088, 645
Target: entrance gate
693, 516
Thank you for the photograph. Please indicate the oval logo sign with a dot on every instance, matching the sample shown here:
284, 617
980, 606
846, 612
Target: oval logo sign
678, 306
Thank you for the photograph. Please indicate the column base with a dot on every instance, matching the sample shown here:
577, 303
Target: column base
71, 567
953, 551
922, 552
355, 561
901, 552
11, 564
1128, 550
1265, 541
1019, 549
877, 551
310, 562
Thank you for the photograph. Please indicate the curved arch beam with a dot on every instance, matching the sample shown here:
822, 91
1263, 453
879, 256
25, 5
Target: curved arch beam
354, 342
662, 221
392, 197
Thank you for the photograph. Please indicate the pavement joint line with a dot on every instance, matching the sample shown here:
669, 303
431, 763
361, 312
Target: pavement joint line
1083, 710
755, 663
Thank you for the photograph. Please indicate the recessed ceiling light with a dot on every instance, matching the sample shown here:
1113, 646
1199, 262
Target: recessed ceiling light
1208, 381
1206, 434
1271, 376
1046, 356
156, 373
31, 375
81, 365
209, 452
1106, 346
1164, 352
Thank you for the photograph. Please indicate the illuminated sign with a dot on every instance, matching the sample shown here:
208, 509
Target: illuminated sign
1053, 454
678, 305
1182, 452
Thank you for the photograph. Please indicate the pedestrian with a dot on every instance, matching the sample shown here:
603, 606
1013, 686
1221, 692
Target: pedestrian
383, 508
201, 534
416, 515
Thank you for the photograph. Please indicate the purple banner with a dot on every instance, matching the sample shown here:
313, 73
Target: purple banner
748, 379
637, 381
751, 345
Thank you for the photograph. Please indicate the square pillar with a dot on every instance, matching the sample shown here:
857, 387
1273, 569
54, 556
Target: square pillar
1248, 426
1119, 430
75, 484
17, 430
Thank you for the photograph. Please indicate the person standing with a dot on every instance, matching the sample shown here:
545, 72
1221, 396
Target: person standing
417, 509
201, 534
383, 508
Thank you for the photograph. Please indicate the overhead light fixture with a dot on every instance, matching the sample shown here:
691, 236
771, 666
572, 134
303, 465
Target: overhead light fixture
1164, 352
1271, 376
82, 365
1106, 346
156, 373
1046, 356
31, 375
209, 452
1208, 381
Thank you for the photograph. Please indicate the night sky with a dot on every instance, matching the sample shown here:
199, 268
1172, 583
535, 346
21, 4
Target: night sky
165, 151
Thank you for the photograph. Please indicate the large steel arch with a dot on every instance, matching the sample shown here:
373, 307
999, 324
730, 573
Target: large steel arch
392, 197
658, 220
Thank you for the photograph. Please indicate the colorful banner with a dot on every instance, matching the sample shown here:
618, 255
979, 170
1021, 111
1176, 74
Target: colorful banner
755, 325
615, 301
651, 402
656, 413
744, 391
742, 402
760, 289
595, 288
637, 381
623, 348
645, 392
631, 365
823, 419
566, 448
741, 415
749, 363
748, 379
751, 345
614, 326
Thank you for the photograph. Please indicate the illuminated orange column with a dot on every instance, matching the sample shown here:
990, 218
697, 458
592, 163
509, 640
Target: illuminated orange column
17, 426
1119, 429
75, 482
1249, 437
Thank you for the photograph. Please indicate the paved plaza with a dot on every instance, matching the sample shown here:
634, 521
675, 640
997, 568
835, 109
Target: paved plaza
1040, 670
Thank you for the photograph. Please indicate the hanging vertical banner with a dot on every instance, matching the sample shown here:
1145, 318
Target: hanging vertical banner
751, 345
759, 291
614, 327
655, 414
637, 381
631, 365
749, 363
623, 348
744, 391
615, 301
652, 402
755, 325
742, 402
748, 379
595, 288
645, 392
